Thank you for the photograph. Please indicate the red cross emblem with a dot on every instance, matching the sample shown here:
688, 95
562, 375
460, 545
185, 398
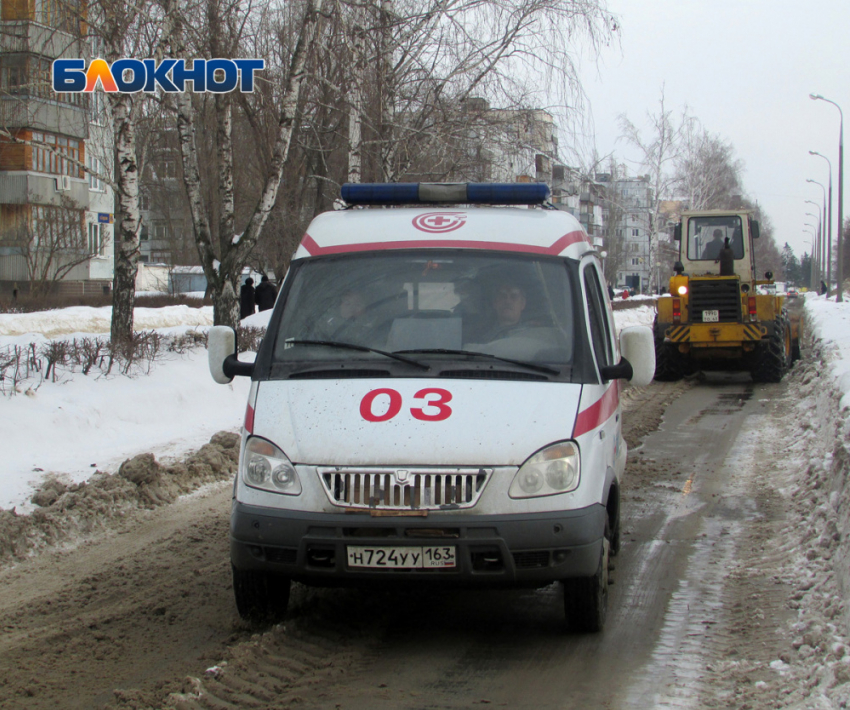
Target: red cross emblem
439, 222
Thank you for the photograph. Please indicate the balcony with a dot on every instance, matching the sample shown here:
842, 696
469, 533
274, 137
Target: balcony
44, 115
20, 188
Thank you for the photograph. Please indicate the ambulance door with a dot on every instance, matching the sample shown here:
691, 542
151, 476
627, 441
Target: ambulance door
600, 403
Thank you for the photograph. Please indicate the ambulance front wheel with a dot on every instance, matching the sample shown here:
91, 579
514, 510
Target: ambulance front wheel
586, 598
260, 596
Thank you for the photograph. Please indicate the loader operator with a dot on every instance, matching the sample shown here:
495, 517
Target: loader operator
712, 249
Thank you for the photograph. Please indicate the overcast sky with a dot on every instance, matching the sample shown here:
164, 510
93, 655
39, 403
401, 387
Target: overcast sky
745, 68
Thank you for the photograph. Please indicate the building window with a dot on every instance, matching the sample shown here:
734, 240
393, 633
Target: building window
143, 234
144, 201
160, 230
635, 232
28, 75
97, 238
62, 14
96, 169
57, 228
55, 154
635, 261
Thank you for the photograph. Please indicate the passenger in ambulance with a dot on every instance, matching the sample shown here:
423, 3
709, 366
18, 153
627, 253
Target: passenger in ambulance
508, 302
346, 320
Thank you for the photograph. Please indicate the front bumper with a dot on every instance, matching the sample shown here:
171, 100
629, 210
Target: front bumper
530, 549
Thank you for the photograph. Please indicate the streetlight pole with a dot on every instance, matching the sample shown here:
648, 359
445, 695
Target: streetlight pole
813, 270
811, 262
828, 223
816, 97
820, 249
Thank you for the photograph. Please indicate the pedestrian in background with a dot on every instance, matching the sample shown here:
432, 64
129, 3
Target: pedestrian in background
247, 299
266, 294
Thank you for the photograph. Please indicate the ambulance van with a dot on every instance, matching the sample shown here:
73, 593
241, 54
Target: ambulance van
436, 401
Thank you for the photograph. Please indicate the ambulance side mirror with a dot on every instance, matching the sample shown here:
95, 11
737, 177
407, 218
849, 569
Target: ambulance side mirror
221, 351
638, 347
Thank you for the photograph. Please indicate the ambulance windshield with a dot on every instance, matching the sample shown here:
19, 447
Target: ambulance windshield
518, 307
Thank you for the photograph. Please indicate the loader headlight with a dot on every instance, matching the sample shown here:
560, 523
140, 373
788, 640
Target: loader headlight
555, 469
682, 290
266, 467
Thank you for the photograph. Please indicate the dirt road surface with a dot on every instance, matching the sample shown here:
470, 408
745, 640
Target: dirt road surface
142, 614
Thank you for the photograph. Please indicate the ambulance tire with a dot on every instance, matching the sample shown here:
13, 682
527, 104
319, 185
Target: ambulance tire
771, 356
260, 596
668, 362
586, 598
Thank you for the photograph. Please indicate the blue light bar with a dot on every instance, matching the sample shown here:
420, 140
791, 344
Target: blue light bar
417, 193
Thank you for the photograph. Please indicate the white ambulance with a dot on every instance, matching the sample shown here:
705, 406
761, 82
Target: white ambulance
436, 401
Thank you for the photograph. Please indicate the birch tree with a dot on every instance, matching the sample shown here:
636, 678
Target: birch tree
427, 58
124, 30
223, 262
707, 174
659, 148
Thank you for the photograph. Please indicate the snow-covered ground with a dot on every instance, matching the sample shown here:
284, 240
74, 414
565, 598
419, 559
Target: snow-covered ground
81, 424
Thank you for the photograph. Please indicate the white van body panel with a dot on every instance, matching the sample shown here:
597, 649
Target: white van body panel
491, 423
549, 232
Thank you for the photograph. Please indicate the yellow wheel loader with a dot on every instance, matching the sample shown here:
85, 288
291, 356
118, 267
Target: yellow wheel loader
718, 315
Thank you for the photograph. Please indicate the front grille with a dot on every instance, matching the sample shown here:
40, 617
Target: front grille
284, 555
530, 560
721, 295
404, 489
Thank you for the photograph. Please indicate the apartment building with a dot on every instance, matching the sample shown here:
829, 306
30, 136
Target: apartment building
56, 213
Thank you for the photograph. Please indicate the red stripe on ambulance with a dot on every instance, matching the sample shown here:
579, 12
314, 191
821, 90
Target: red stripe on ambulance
599, 412
314, 249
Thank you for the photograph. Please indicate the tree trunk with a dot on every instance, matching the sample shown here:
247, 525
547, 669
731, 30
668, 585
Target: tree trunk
357, 47
127, 228
387, 87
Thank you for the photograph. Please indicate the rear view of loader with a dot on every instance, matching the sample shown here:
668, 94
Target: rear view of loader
715, 317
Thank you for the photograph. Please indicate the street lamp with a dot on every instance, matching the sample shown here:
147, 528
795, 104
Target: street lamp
820, 248
815, 269
828, 222
811, 261
816, 97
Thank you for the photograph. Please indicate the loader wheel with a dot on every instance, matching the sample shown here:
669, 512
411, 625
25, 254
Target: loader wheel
789, 343
260, 596
668, 362
773, 354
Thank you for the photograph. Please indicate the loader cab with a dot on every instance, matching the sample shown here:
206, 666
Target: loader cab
703, 235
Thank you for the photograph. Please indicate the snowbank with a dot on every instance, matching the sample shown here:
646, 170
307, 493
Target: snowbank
85, 319
81, 424
819, 462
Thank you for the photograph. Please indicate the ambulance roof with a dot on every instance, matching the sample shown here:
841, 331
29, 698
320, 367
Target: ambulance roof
532, 230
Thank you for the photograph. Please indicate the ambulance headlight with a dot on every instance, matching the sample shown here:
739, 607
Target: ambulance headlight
552, 470
266, 467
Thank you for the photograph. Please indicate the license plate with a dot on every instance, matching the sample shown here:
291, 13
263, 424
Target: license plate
710, 316
427, 557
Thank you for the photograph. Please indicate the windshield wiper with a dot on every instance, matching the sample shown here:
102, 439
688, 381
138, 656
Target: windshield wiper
445, 351
361, 348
